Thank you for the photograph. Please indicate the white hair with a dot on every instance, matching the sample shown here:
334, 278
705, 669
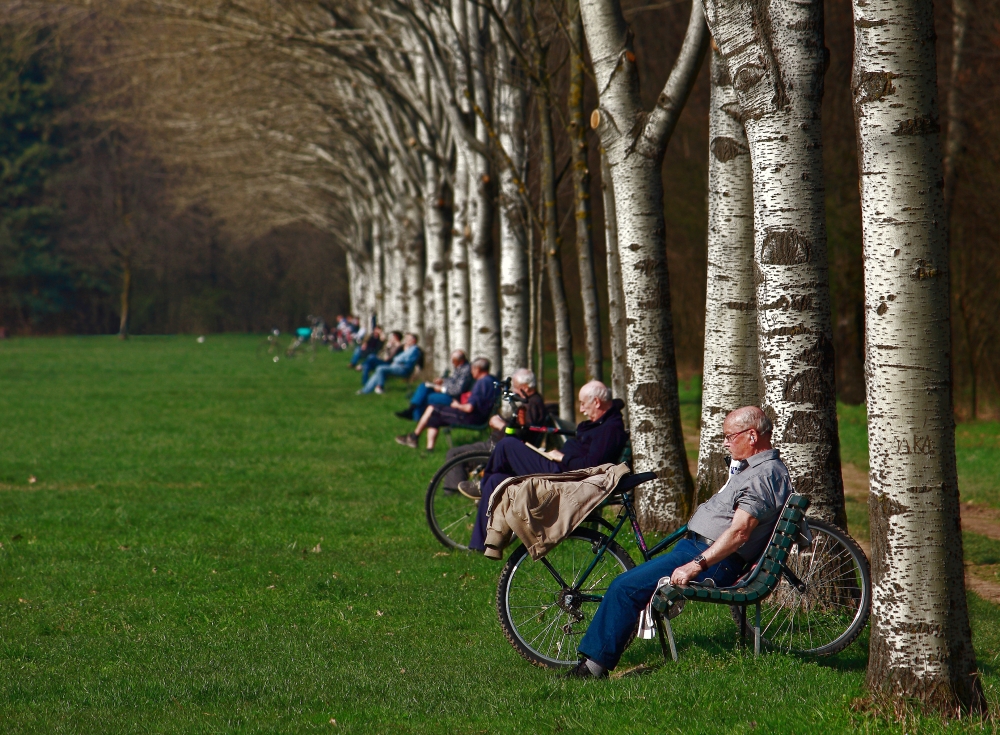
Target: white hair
597, 390
523, 376
751, 417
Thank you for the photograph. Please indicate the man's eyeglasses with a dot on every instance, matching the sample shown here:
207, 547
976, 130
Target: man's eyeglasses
730, 437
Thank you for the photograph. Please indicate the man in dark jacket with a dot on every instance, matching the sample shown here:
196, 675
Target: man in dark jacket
599, 440
476, 411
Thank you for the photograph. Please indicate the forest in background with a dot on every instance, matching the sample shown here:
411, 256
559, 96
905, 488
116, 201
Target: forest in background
85, 199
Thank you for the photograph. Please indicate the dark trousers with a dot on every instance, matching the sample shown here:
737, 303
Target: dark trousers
510, 458
629, 593
459, 473
424, 396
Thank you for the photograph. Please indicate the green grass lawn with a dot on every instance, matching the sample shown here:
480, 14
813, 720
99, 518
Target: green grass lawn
195, 539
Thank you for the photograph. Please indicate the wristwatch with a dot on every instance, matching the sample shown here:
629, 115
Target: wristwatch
701, 562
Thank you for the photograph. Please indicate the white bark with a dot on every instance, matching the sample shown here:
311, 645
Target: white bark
484, 307
635, 141
378, 271
730, 372
920, 641
776, 58
436, 244
616, 296
510, 102
459, 326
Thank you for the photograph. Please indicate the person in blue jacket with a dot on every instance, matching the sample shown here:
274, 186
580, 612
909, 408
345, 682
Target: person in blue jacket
476, 411
599, 440
402, 366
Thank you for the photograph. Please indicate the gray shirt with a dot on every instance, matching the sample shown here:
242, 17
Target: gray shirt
459, 381
760, 488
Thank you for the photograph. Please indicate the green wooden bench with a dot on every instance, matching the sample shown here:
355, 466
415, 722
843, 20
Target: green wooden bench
752, 588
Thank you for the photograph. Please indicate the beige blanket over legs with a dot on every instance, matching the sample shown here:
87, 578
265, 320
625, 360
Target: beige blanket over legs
543, 509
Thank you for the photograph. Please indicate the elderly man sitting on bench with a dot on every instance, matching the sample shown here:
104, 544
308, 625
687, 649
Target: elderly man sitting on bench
599, 440
726, 532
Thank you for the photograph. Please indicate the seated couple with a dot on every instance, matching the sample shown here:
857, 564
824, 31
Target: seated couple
599, 440
401, 366
475, 411
443, 390
726, 533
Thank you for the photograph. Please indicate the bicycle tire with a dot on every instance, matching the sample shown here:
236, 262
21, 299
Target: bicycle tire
450, 514
836, 605
527, 592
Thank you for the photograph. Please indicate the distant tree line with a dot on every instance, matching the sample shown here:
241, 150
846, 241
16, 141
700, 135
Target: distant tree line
92, 238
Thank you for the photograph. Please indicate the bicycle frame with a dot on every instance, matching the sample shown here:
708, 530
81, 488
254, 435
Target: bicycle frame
626, 513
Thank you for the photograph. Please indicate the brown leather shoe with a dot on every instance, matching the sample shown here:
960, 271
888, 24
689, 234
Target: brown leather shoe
407, 440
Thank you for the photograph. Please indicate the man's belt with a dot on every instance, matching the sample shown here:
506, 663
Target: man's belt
691, 535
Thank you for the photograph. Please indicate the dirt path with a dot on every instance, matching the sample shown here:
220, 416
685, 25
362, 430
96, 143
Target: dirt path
975, 518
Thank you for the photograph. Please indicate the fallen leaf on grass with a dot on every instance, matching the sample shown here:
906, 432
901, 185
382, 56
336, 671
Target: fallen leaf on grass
154, 570
398, 571
123, 548
379, 613
333, 722
445, 574
271, 587
402, 671
316, 549
32, 480
23, 601
440, 553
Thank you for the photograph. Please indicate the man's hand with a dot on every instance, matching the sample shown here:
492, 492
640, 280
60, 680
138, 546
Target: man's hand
731, 539
556, 455
438, 382
497, 423
463, 407
683, 575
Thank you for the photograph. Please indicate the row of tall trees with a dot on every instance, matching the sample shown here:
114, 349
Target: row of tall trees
423, 134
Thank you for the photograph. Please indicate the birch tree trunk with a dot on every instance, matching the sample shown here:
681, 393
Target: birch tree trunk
459, 326
960, 10
616, 297
776, 59
378, 271
730, 373
920, 641
484, 307
514, 288
577, 132
550, 231
436, 248
414, 259
635, 141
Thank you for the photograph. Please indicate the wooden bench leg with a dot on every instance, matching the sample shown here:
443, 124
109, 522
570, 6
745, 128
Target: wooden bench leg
756, 630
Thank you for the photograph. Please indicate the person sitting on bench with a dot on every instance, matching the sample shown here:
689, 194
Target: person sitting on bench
726, 533
598, 440
402, 366
390, 349
442, 391
475, 412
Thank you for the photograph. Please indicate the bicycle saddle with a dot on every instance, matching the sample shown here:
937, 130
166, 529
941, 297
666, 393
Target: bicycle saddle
631, 481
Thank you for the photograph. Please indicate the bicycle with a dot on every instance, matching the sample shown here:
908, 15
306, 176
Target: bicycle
269, 347
450, 514
545, 607
309, 336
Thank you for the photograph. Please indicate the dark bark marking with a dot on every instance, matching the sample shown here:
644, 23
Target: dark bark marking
741, 306
865, 23
644, 426
871, 86
785, 247
726, 149
820, 355
924, 270
804, 427
918, 126
796, 303
789, 331
652, 395
809, 386
882, 308
510, 289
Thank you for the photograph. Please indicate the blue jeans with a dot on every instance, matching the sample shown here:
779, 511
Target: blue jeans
629, 593
368, 367
377, 380
424, 396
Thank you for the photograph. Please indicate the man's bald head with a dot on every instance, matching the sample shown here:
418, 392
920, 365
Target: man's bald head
747, 431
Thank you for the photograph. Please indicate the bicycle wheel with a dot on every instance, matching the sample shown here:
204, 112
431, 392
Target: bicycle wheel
834, 608
544, 610
450, 514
